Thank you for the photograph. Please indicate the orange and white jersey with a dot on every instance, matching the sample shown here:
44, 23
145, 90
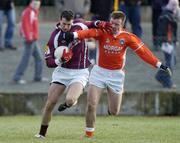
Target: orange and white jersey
112, 49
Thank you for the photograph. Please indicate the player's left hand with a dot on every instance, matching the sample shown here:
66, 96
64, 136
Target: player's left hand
166, 69
67, 55
104, 26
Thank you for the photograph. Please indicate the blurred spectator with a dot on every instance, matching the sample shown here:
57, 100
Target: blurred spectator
78, 16
7, 9
81, 7
133, 12
157, 6
167, 36
30, 32
101, 9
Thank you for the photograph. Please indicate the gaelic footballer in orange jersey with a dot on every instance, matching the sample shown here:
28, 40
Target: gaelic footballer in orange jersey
112, 49
108, 73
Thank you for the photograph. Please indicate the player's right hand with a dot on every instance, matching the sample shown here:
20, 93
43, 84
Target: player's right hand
68, 37
66, 56
104, 26
166, 69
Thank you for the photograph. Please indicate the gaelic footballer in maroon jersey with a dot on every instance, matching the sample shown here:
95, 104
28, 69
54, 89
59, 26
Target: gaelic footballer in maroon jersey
79, 48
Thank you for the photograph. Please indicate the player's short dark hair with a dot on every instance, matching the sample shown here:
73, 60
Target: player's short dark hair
118, 15
67, 14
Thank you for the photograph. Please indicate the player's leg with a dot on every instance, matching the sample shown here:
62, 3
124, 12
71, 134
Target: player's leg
97, 82
73, 93
54, 93
93, 97
115, 88
114, 102
78, 81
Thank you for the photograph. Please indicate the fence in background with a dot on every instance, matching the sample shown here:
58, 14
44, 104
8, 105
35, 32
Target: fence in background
134, 103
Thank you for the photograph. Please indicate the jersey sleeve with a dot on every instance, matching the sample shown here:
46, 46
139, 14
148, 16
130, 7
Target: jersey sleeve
90, 24
90, 33
49, 52
142, 51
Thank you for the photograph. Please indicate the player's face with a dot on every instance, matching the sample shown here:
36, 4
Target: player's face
117, 25
65, 24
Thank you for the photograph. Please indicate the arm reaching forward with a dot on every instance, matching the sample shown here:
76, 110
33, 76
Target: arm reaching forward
82, 34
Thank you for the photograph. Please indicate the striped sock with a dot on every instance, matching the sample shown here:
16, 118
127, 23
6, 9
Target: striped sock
89, 132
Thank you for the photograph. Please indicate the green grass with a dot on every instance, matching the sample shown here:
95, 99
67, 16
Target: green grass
68, 129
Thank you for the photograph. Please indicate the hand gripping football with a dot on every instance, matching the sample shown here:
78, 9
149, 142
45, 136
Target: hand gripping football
59, 51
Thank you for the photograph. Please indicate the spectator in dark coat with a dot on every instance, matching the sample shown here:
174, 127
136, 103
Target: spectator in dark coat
167, 36
81, 7
133, 12
157, 6
101, 9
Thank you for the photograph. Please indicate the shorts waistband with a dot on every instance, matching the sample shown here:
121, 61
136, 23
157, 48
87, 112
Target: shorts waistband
67, 69
108, 70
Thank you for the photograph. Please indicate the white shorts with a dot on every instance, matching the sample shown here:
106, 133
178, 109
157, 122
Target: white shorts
104, 78
68, 76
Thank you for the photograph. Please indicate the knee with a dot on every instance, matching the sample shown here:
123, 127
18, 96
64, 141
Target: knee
70, 101
50, 106
113, 112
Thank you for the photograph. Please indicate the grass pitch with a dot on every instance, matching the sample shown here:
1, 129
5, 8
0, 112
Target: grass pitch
69, 129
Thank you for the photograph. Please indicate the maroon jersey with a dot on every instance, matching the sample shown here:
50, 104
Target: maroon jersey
80, 58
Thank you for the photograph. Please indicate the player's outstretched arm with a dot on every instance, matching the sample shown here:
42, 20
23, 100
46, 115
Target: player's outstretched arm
82, 34
146, 55
90, 33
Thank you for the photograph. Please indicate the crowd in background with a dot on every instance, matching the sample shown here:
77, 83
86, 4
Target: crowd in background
99, 10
